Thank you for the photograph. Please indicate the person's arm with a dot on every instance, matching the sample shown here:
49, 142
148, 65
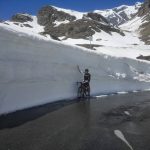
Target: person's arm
79, 69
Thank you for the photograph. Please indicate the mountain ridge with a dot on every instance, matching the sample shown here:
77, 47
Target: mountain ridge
68, 25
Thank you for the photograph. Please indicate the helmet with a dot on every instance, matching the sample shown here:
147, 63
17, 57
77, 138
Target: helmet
86, 70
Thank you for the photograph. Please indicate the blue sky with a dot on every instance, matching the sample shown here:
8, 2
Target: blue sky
10, 7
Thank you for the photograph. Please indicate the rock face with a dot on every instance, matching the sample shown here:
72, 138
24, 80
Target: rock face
121, 14
144, 12
144, 57
145, 32
74, 28
48, 15
21, 18
144, 9
82, 28
123, 17
27, 25
97, 17
77, 29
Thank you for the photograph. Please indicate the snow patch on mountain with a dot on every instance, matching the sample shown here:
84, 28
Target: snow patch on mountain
121, 14
104, 39
31, 28
132, 25
112, 44
57, 23
77, 14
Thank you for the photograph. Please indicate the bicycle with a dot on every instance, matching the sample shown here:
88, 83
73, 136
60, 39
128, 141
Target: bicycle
83, 90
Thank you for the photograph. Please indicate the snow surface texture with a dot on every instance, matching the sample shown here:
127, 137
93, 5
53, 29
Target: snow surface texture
35, 71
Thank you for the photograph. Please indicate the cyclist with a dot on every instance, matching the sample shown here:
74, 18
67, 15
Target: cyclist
87, 79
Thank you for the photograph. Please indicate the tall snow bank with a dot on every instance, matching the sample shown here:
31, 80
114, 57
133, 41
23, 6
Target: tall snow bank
34, 71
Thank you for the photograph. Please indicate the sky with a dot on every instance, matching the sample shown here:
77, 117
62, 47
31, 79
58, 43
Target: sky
11, 7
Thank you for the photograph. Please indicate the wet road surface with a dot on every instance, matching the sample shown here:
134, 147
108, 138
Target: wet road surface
84, 125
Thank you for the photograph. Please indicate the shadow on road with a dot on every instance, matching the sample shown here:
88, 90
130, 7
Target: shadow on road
22, 116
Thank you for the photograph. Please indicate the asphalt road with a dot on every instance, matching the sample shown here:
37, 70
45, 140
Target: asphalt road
84, 125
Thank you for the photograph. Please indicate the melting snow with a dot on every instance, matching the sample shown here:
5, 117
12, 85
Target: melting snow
127, 113
120, 135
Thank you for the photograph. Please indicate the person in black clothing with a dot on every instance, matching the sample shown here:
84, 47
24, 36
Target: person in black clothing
87, 79
87, 76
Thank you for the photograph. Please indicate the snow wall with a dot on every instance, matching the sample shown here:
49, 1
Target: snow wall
35, 71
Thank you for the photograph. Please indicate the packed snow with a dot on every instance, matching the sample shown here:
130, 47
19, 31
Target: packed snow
35, 69
132, 25
116, 45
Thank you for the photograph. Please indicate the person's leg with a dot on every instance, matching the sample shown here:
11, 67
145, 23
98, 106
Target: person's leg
88, 88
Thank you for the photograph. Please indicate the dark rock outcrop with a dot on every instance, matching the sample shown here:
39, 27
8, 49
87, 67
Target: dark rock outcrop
120, 15
27, 25
143, 57
145, 32
97, 17
144, 9
76, 29
144, 12
82, 28
115, 19
21, 18
6, 23
16, 23
48, 15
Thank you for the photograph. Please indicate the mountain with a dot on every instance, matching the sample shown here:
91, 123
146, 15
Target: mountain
62, 24
140, 23
112, 27
121, 14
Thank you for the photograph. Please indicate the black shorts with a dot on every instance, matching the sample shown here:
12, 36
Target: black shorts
86, 83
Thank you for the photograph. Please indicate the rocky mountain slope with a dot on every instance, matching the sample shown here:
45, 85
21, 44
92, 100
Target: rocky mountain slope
140, 24
144, 12
121, 14
78, 27
58, 24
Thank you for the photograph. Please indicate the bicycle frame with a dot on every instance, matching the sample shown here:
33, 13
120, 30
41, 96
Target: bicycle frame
82, 90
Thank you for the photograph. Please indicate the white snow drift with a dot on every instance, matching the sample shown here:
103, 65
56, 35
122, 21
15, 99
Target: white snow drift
34, 71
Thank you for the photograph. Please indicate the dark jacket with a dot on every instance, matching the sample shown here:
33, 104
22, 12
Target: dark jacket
87, 77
